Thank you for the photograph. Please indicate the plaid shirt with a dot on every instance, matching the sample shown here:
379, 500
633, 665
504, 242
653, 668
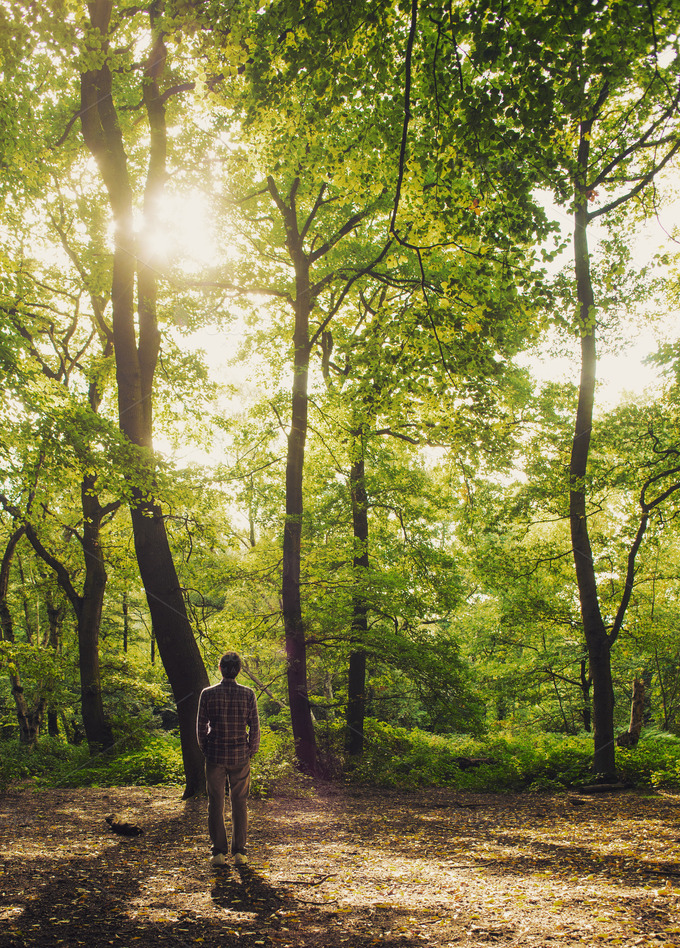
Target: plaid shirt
225, 711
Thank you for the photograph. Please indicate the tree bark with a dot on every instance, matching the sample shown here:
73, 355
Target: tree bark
135, 366
631, 737
29, 719
126, 623
595, 633
291, 605
356, 679
296, 645
55, 615
586, 683
97, 727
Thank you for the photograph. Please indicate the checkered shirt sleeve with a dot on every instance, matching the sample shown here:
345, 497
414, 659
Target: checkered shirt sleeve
227, 726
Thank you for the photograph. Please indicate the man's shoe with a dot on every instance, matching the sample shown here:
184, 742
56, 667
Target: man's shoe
218, 859
240, 859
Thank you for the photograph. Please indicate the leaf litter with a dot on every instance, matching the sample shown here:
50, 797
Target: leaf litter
343, 868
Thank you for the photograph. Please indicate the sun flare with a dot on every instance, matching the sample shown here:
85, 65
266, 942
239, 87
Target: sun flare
183, 236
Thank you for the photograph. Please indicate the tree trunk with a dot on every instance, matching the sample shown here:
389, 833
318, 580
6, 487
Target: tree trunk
291, 605
55, 615
356, 680
135, 366
29, 719
296, 645
631, 737
97, 728
593, 625
585, 691
126, 629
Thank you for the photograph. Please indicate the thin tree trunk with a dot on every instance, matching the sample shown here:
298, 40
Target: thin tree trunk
291, 605
97, 727
631, 737
593, 624
585, 691
356, 679
296, 645
125, 623
29, 719
55, 614
135, 366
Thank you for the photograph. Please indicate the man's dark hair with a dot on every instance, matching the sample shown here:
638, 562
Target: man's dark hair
230, 664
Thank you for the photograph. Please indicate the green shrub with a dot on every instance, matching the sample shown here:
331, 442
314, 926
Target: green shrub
538, 761
393, 757
57, 764
44, 763
654, 762
273, 769
157, 763
401, 758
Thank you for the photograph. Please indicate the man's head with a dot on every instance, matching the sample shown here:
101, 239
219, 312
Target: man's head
230, 664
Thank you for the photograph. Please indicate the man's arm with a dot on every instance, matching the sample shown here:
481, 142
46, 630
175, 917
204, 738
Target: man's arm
253, 726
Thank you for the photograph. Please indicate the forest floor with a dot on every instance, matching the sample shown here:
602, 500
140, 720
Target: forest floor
342, 869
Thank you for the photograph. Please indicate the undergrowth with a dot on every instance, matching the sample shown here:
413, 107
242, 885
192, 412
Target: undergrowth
506, 762
393, 757
154, 761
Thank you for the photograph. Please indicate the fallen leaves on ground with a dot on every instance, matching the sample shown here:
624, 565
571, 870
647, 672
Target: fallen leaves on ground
353, 868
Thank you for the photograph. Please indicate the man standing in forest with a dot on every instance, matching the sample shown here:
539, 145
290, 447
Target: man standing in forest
228, 732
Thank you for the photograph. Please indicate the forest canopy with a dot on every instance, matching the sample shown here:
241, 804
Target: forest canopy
304, 309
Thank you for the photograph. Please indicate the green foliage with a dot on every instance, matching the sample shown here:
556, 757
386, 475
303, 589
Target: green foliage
414, 758
154, 759
131, 691
57, 764
508, 762
394, 757
42, 676
157, 762
654, 762
471, 610
53, 761
273, 771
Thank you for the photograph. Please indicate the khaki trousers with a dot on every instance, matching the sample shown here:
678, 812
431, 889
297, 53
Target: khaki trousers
217, 778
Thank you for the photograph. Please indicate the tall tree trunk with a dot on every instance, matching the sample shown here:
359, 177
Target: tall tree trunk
126, 623
55, 615
356, 680
291, 605
296, 644
135, 366
97, 728
597, 641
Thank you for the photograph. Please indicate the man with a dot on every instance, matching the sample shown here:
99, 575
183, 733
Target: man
228, 732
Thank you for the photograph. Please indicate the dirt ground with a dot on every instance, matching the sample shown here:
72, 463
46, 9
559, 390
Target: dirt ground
343, 868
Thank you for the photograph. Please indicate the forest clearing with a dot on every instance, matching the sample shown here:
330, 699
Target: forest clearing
343, 868
307, 313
